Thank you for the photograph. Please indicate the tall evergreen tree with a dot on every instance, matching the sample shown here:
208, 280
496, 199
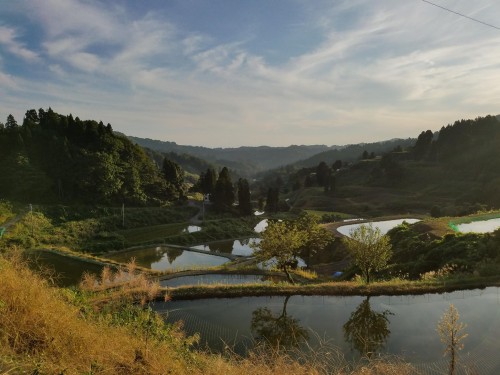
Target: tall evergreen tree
206, 182
173, 173
223, 196
322, 173
244, 198
11, 122
272, 201
423, 145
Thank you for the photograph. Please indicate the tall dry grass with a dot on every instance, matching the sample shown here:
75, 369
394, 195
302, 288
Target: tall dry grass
40, 331
43, 330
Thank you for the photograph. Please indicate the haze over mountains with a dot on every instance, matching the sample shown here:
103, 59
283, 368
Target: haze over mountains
250, 160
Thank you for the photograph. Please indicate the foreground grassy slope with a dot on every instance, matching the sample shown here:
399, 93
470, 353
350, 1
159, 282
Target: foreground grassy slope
46, 330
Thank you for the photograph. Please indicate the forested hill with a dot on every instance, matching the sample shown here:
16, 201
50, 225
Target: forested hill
353, 152
246, 160
57, 158
455, 171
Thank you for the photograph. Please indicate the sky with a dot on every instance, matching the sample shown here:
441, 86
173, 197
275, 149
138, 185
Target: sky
229, 73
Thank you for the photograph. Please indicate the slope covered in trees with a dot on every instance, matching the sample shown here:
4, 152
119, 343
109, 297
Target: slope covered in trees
52, 157
244, 160
455, 171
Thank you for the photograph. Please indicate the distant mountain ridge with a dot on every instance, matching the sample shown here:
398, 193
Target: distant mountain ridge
248, 160
353, 152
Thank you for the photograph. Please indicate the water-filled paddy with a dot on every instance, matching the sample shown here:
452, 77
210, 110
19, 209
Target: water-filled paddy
235, 247
261, 226
399, 325
68, 271
482, 226
156, 232
219, 279
167, 258
384, 226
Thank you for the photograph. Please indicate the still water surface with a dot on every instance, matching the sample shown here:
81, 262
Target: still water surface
167, 258
399, 325
67, 271
235, 247
483, 226
384, 226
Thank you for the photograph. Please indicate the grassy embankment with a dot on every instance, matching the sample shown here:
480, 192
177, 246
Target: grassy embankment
216, 229
89, 229
337, 288
47, 330
361, 192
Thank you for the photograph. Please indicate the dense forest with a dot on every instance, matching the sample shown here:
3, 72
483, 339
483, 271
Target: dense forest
56, 158
244, 161
455, 171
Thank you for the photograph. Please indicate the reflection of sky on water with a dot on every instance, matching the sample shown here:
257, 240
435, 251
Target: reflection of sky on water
165, 258
192, 229
483, 226
412, 322
261, 226
384, 226
234, 247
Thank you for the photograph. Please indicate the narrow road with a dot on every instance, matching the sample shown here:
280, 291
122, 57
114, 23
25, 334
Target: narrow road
14, 220
195, 220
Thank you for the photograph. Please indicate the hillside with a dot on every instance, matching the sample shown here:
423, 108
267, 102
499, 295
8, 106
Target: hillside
52, 157
455, 172
353, 152
245, 160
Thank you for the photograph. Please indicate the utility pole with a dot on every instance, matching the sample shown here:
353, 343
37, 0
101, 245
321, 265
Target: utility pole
123, 215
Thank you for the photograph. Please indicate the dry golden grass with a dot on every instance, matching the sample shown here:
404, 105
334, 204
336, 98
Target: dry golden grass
42, 332
39, 330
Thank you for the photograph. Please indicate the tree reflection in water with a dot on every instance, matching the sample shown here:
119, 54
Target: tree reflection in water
367, 330
173, 254
277, 330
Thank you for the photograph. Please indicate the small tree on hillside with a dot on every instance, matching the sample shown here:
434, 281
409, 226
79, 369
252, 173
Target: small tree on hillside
369, 249
451, 333
223, 196
244, 198
287, 241
282, 241
272, 200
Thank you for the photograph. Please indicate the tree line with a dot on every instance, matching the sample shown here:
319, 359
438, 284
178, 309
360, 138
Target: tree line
57, 158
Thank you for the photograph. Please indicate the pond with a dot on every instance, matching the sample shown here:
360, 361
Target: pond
191, 229
384, 226
220, 279
69, 271
156, 232
482, 226
398, 325
235, 247
261, 226
162, 258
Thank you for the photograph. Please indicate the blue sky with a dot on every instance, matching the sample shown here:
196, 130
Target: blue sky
227, 73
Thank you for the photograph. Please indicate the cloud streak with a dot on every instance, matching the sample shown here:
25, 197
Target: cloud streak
379, 70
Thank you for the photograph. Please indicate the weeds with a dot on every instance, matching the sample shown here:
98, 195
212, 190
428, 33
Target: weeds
51, 331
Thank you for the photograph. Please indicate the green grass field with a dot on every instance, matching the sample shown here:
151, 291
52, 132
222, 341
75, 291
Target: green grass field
151, 233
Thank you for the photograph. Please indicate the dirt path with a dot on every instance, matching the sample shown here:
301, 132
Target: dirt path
195, 220
14, 220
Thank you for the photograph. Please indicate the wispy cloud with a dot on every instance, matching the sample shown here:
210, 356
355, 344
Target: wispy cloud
378, 70
9, 38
